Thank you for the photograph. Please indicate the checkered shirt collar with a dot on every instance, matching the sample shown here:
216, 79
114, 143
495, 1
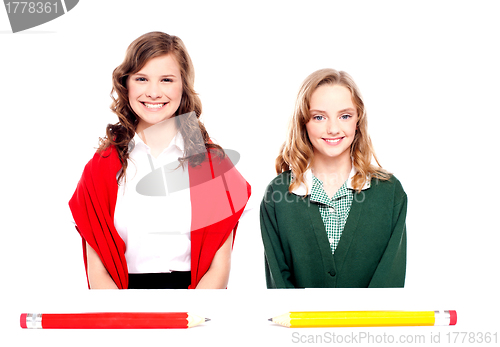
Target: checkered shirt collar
301, 190
318, 194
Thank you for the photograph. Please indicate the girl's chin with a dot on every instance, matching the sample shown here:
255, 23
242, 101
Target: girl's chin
332, 154
150, 121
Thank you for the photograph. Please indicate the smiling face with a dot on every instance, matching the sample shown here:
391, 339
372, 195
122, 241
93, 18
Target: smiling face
332, 125
155, 91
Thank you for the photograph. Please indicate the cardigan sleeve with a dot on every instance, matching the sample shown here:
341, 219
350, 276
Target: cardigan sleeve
92, 206
391, 270
219, 194
278, 273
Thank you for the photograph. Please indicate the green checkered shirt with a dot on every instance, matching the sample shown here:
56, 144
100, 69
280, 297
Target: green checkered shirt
334, 211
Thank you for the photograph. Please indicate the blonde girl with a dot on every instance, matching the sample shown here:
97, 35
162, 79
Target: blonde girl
331, 218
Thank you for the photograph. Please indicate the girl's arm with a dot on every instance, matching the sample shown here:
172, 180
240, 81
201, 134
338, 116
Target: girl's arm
99, 277
278, 273
391, 270
217, 275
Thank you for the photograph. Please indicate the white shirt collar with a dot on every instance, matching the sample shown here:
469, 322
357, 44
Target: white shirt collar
177, 141
308, 178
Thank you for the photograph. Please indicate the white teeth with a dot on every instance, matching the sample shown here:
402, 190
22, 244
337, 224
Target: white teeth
153, 105
333, 141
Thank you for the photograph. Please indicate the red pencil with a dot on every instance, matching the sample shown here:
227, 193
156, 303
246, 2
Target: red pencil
111, 320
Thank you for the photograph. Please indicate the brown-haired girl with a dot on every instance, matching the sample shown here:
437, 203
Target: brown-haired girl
158, 205
331, 218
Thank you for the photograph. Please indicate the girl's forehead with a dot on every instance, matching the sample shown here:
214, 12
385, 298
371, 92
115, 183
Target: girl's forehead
138, 64
331, 96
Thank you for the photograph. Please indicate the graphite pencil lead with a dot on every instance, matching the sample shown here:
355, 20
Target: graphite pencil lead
207, 319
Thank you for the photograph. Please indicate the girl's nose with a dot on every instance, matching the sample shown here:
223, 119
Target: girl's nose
332, 126
153, 91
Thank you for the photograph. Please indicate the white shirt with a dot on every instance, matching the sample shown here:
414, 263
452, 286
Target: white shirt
155, 224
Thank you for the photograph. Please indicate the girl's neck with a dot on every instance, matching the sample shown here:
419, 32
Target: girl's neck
333, 172
157, 136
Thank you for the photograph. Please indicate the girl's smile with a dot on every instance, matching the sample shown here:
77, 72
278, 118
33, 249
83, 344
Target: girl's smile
333, 142
152, 106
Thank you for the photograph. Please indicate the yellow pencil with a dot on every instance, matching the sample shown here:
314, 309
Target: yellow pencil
321, 319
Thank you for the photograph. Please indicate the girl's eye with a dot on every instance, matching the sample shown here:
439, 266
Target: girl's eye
318, 117
140, 79
345, 116
166, 80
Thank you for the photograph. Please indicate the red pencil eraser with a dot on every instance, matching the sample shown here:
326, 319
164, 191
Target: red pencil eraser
23, 320
453, 317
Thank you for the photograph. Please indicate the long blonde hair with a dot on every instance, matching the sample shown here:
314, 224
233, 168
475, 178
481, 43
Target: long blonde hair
296, 153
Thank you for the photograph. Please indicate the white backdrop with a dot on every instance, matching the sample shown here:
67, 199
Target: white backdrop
428, 72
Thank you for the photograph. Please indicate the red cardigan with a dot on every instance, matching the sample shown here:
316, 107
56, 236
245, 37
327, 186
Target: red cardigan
218, 197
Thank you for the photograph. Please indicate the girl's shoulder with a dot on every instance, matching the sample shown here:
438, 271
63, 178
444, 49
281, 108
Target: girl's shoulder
391, 183
281, 182
103, 162
387, 188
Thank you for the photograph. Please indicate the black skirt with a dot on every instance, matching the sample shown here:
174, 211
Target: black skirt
171, 280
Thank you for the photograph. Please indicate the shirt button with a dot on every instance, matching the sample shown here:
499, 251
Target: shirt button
332, 273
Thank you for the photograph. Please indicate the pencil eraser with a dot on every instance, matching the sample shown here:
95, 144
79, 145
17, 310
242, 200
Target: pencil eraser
23, 320
453, 317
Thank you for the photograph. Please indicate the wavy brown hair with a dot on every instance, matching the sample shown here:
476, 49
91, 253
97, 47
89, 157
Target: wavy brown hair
139, 53
297, 153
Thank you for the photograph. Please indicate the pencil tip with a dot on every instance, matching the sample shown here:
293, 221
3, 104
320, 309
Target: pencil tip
207, 319
270, 319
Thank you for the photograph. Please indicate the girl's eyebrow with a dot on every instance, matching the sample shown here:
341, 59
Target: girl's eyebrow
145, 75
349, 109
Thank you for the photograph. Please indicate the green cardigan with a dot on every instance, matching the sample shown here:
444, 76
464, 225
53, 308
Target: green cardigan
371, 251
